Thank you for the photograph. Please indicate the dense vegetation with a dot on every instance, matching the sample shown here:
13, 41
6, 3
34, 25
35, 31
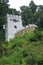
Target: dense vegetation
2, 35
26, 49
32, 14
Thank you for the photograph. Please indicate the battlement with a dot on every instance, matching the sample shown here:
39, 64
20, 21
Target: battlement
13, 16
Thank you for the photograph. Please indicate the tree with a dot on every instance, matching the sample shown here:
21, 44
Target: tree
33, 6
32, 14
3, 11
13, 11
25, 14
40, 16
28, 13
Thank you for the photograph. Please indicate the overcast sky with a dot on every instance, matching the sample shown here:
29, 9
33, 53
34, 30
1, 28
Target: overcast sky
18, 3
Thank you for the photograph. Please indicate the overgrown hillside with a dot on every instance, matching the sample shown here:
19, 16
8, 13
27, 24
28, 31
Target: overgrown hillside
26, 49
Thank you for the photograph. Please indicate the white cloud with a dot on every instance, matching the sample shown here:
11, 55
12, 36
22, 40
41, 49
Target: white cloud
17, 3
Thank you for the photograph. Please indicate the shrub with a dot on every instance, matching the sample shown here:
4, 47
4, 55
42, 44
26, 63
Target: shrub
23, 50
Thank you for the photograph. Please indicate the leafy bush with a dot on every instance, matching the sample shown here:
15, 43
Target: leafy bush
23, 51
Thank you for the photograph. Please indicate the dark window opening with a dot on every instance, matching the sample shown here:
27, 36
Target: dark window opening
15, 26
14, 20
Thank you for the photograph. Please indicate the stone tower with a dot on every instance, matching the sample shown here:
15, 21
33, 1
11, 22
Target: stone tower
13, 25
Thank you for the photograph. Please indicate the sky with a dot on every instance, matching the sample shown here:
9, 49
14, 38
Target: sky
18, 3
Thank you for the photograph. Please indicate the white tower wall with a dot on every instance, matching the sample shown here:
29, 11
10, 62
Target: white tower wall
13, 25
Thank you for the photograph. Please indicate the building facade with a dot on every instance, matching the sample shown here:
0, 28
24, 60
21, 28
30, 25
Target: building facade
12, 26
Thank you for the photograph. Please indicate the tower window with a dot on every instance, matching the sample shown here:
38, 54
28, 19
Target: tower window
15, 27
14, 20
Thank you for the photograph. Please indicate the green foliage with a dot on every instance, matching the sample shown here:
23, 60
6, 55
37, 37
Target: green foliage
3, 12
31, 36
32, 14
33, 6
2, 35
28, 13
13, 11
23, 51
3, 9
